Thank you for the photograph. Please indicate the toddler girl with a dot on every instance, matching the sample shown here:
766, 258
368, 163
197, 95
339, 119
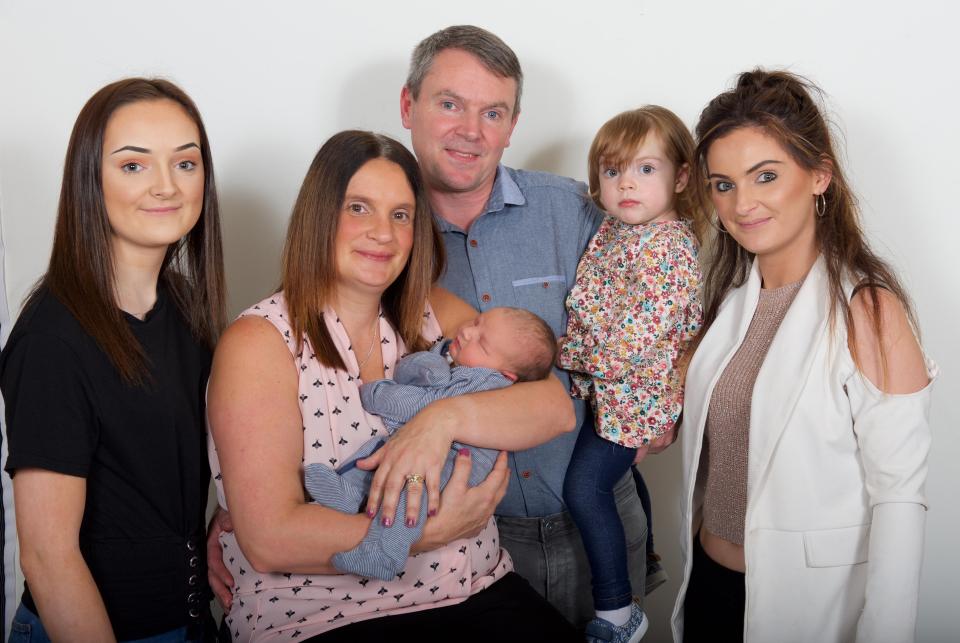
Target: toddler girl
632, 313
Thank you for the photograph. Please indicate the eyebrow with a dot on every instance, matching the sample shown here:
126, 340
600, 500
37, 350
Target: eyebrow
611, 162
143, 150
761, 164
454, 95
754, 168
367, 199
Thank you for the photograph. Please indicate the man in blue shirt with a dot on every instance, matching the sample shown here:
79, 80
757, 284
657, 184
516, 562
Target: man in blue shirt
513, 238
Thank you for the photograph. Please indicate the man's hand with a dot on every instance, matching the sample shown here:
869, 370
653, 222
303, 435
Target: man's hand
220, 579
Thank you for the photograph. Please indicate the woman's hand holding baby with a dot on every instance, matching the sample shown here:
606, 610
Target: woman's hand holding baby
419, 448
465, 510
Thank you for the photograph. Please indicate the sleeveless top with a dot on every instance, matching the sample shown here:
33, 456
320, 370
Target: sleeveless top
281, 606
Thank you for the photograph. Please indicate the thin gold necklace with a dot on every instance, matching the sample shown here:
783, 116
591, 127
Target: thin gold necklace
373, 342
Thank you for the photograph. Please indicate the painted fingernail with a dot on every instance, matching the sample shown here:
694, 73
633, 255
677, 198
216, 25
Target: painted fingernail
371, 512
387, 521
464, 451
432, 512
411, 522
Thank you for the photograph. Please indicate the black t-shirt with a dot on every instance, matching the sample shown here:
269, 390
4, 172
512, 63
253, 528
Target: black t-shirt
142, 450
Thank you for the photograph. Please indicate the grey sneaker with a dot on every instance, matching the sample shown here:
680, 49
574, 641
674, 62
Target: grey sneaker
602, 631
656, 574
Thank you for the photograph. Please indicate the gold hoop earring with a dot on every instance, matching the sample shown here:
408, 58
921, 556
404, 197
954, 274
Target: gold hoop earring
821, 205
716, 225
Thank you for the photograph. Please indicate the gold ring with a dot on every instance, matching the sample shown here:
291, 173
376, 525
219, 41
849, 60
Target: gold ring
414, 477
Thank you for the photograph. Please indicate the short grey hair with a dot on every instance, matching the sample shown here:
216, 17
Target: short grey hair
493, 53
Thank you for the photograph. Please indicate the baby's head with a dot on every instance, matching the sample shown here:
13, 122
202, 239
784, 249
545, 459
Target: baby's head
639, 166
510, 340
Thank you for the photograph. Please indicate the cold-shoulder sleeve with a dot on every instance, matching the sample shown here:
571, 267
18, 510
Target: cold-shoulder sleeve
893, 433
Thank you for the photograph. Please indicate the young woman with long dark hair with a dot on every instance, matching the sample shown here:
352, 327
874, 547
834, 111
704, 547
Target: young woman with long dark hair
104, 375
805, 435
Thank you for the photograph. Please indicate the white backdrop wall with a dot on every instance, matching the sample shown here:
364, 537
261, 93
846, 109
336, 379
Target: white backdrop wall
274, 81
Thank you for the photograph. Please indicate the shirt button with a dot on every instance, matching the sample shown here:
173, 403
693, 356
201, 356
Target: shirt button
525, 474
473, 243
193, 580
191, 545
194, 598
194, 561
485, 298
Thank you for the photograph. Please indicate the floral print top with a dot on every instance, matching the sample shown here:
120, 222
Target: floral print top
285, 606
632, 313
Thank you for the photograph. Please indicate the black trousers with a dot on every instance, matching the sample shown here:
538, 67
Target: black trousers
714, 605
509, 610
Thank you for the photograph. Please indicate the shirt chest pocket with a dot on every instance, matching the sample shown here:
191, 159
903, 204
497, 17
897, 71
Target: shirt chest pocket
544, 296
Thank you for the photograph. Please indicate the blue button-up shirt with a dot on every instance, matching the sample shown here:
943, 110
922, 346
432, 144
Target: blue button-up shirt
523, 251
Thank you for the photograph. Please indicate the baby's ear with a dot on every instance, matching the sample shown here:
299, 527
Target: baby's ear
683, 176
510, 375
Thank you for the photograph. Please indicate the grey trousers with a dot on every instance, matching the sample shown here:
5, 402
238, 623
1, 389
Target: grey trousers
549, 554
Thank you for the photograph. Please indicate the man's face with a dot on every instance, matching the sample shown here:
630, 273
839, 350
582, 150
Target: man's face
460, 123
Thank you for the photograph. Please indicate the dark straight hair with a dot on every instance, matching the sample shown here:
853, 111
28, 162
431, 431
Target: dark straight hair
81, 273
309, 256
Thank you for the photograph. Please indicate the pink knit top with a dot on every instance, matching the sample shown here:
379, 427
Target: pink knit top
724, 458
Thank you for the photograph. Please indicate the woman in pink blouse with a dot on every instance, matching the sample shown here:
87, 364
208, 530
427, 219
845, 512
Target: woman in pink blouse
358, 267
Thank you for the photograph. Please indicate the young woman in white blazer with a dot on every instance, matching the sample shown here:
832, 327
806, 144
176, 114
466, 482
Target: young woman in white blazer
805, 433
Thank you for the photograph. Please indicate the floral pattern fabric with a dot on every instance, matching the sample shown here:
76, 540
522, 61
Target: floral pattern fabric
284, 606
633, 311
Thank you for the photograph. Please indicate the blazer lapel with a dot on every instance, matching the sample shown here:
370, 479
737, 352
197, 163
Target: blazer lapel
785, 370
717, 348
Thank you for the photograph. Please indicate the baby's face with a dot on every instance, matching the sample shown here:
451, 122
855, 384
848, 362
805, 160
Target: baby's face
486, 341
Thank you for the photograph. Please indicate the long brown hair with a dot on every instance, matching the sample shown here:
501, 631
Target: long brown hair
780, 104
82, 274
309, 256
618, 140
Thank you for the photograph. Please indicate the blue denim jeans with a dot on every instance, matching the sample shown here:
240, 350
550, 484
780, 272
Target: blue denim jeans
595, 467
644, 494
27, 628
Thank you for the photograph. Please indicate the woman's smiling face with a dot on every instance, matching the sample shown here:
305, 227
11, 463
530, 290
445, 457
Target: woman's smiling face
764, 198
152, 174
375, 231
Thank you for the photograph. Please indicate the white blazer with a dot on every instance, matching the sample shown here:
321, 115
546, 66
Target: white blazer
835, 479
